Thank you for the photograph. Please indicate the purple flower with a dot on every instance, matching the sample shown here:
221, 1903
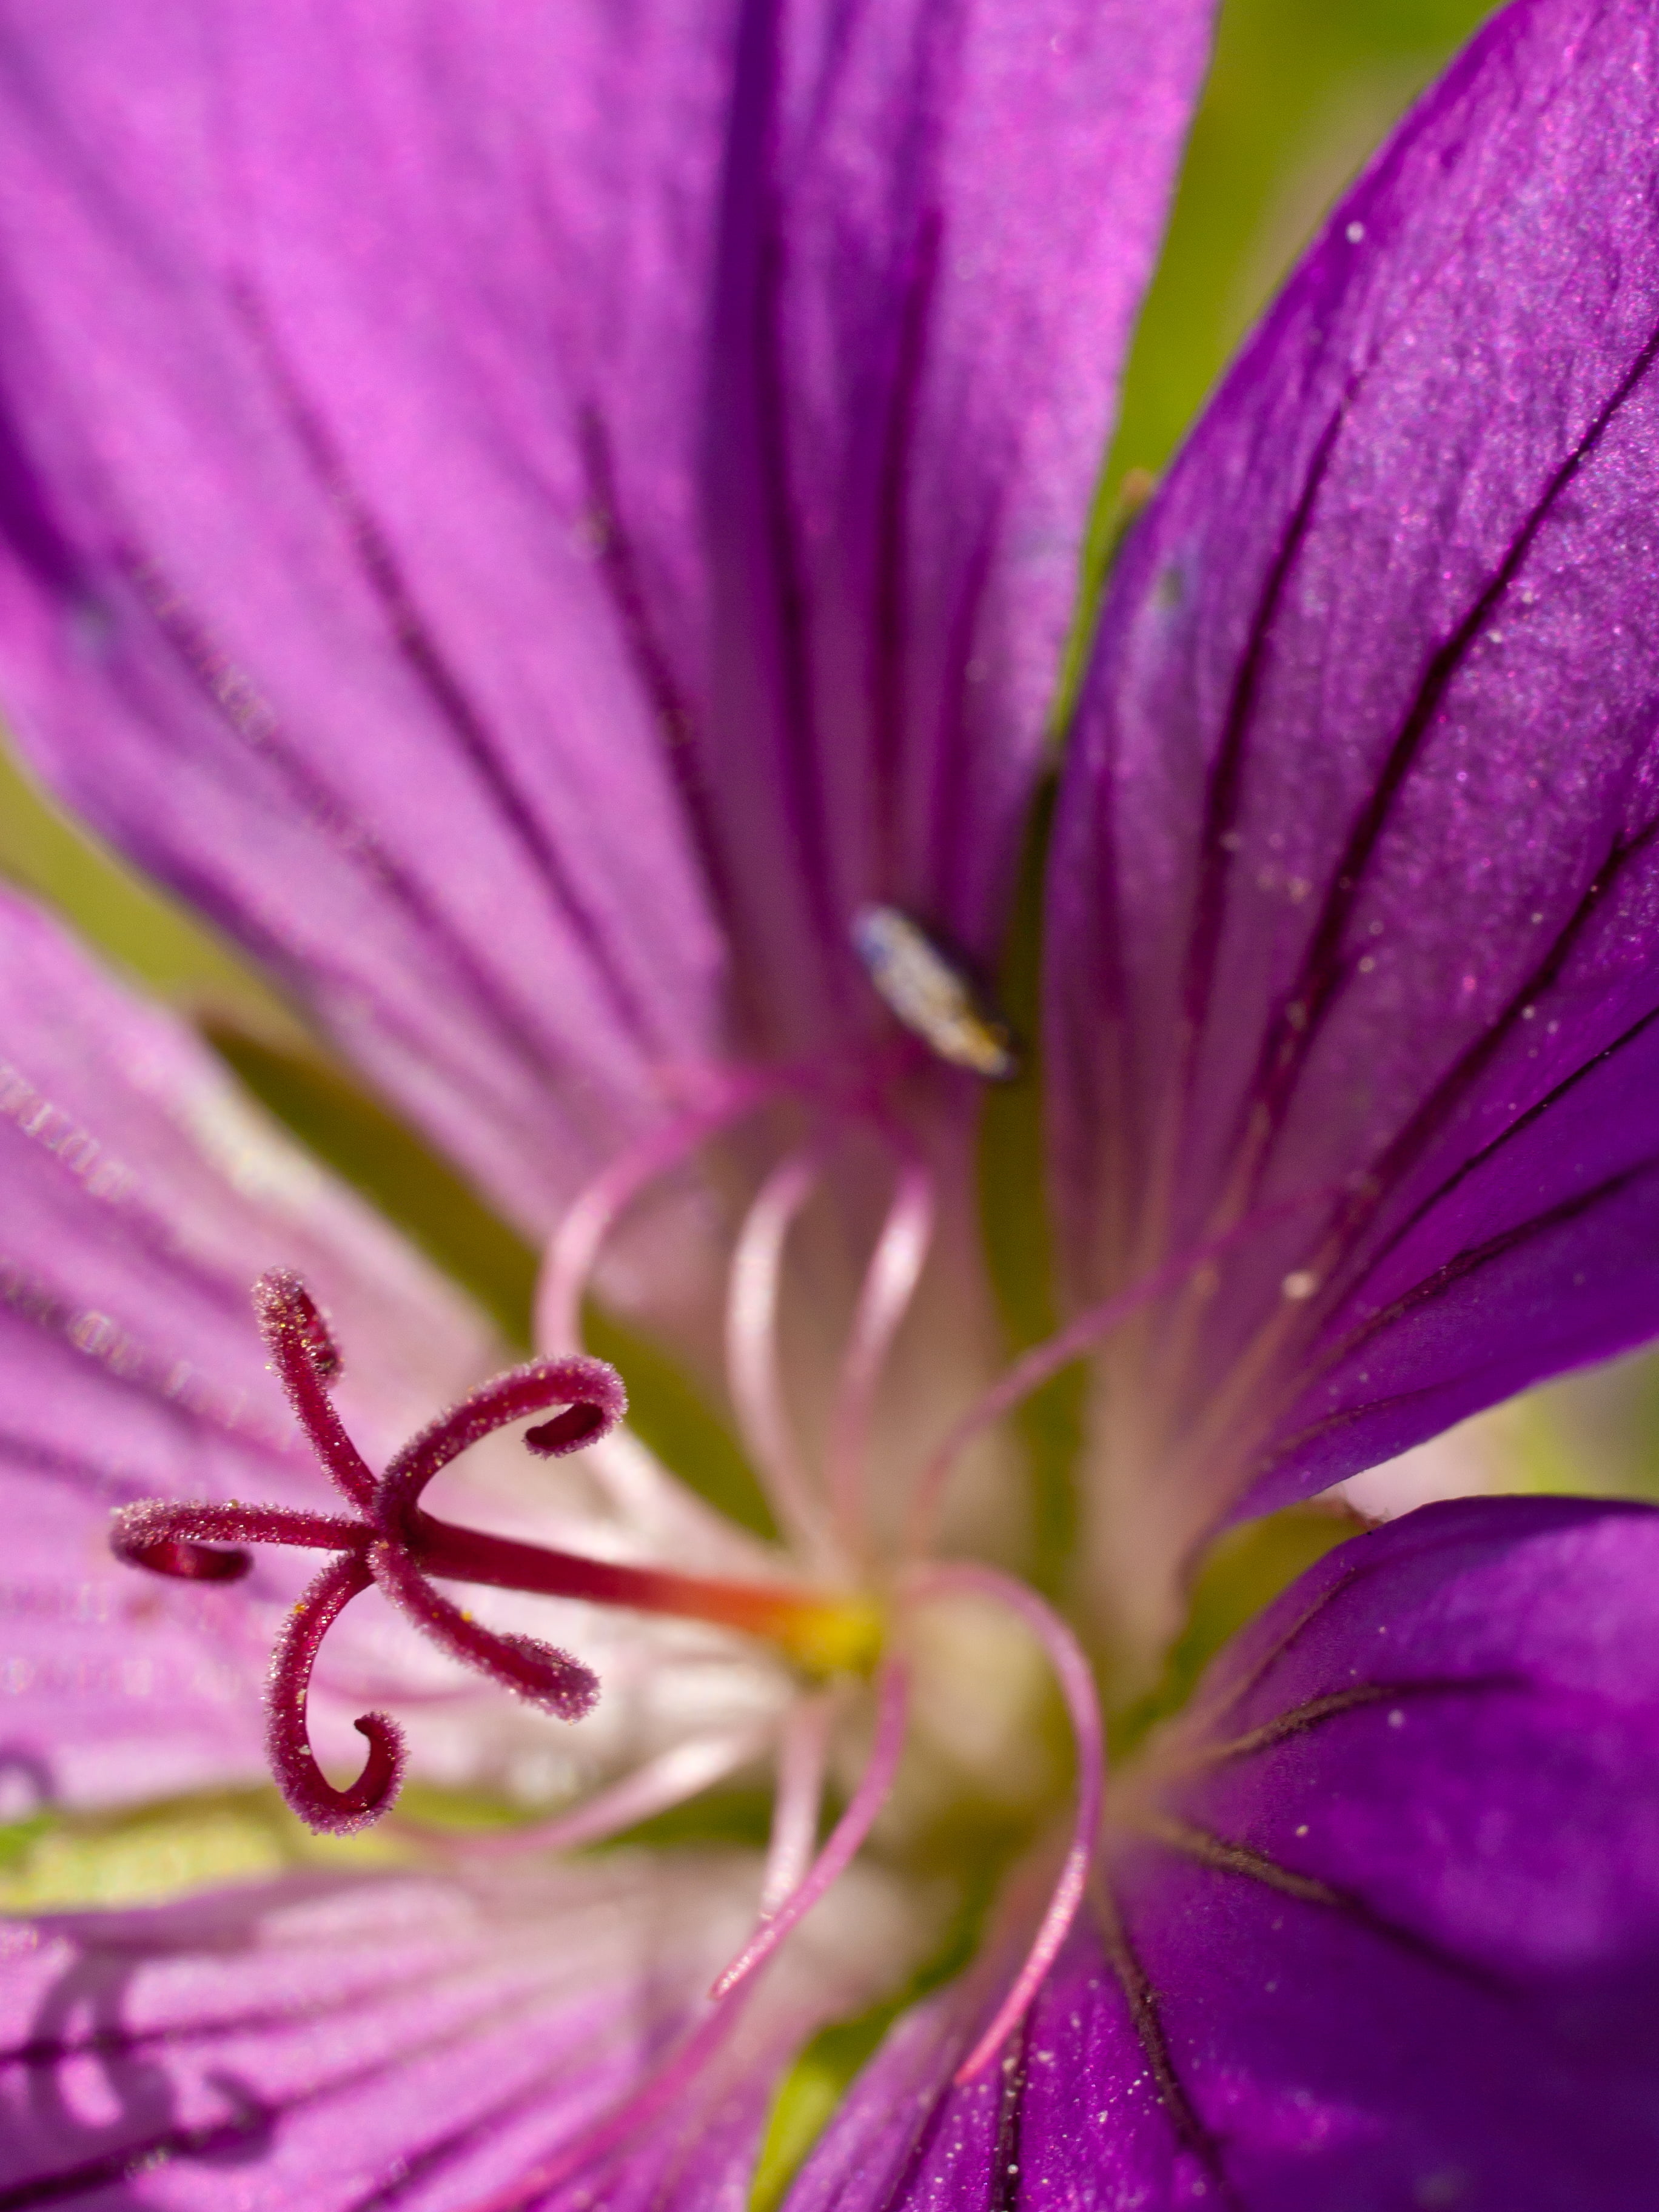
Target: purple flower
555, 527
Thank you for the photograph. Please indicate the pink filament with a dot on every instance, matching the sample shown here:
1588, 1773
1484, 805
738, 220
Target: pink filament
803, 1763
751, 1344
582, 1234
731, 1990
890, 1284
892, 1705
1077, 1686
675, 2073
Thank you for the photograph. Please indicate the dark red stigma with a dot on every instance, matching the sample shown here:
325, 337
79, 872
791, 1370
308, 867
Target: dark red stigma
386, 1539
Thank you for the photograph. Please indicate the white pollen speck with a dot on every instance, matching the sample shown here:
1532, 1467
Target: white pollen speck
1396, 1718
1302, 1830
1528, 1013
1300, 1283
1356, 231
1366, 964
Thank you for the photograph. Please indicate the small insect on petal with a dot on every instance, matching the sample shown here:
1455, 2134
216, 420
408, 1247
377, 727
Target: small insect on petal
931, 994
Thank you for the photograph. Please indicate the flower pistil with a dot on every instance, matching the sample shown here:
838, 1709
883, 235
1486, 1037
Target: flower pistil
388, 1540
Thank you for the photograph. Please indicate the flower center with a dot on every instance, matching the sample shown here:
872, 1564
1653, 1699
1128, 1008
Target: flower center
831, 1623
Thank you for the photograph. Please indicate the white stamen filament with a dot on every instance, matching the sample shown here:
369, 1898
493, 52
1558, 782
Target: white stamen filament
1077, 1686
875, 1783
1034, 1368
797, 1872
682, 1771
803, 1765
890, 1284
752, 1317
582, 1234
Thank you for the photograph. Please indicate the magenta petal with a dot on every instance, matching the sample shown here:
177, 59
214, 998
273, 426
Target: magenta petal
1378, 1921
140, 1196
514, 508
1356, 878
437, 2044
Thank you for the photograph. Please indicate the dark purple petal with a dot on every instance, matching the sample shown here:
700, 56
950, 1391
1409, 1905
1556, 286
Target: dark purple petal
1377, 1923
335, 2045
140, 1196
1070, 2117
1356, 893
529, 515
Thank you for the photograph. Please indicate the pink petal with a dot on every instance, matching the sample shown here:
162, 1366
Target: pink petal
140, 1196
529, 515
326, 2044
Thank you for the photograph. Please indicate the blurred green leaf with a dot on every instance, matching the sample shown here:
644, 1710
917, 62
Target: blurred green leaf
155, 940
1595, 1433
144, 1854
1298, 96
730, 1818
